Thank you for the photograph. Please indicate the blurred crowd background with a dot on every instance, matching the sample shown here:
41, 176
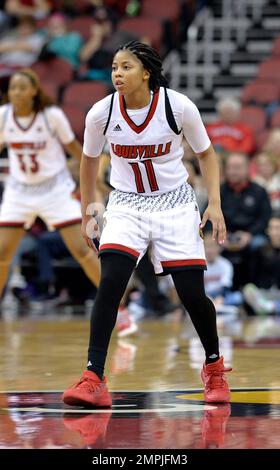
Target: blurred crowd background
223, 54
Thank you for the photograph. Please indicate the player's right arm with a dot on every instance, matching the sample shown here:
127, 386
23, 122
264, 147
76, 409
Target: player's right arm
88, 176
93, 144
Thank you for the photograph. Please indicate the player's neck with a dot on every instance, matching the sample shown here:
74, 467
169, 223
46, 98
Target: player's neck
138, 99
23, 112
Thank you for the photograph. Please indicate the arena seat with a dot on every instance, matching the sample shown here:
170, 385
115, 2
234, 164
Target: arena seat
77, 120
260, 92
57, 70
167, 9
275, 119
149, 28
254, 117
78, 8
81, 25
261, 138
270, 70
276, 48
84, 94
50, 88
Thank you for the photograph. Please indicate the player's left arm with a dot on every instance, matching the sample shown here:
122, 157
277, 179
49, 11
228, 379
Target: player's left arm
209, 166
61, 127
74, 149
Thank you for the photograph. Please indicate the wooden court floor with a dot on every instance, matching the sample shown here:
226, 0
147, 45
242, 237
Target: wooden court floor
155, 380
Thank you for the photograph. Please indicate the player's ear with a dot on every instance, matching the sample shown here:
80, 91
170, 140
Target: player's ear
146, 74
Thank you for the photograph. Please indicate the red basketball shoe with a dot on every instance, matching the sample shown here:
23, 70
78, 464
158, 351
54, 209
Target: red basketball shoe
213, 426
92, 427
88, 391
215, 383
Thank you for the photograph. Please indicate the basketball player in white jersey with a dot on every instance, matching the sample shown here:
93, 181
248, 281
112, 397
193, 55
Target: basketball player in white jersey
39, 184
144, 124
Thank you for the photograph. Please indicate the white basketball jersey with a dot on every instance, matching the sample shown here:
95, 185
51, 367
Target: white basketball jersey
35, 153
146, 159
146, 154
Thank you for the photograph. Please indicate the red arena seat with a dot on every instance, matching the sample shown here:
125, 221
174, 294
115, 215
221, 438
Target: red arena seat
84, 94
254, 117
260, 92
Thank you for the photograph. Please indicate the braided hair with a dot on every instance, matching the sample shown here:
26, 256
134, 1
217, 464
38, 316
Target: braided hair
151, 62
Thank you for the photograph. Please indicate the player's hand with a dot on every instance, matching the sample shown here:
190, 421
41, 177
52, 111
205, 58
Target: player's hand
214, 213
90, 230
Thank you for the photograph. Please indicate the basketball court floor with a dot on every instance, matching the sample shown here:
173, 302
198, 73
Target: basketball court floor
155, 380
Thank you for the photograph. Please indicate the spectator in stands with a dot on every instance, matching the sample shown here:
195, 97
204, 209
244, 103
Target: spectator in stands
21, 47
268, 176
219, 278
97, 53
272, 146
263, 295
93, 53
195, 180
195, 177
4, 18
36, 9
229, 134
119, 6
61, 42
247, 210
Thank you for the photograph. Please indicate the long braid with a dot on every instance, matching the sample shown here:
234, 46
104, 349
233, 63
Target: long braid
151, 62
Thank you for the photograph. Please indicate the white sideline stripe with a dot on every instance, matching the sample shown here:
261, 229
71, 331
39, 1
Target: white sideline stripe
173, 409
191, 390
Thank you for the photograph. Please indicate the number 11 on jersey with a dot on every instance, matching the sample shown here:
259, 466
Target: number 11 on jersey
150, 174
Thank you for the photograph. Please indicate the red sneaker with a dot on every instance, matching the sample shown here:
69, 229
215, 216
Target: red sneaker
89, 391
125, 324
215, 383
213, 426
92, 427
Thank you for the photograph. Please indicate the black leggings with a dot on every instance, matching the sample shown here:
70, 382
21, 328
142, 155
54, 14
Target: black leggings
116, 270
190, 288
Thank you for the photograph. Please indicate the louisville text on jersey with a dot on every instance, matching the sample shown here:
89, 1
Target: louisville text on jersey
28, 145
141, 151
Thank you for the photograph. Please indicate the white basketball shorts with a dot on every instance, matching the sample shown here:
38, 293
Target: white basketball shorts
173, 235
56, 206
